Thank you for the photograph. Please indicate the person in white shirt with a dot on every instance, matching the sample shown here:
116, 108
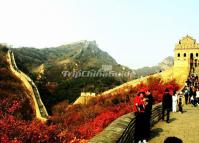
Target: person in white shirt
192, 100
197, 96
174, 102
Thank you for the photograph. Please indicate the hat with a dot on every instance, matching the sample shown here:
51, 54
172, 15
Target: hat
143, 90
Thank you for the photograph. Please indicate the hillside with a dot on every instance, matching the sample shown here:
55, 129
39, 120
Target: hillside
45, 67
80, 55
17, 114
13, 95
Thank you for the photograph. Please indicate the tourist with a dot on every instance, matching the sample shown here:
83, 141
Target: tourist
194, 95
180, 103
197, 96
166, 105
172, 140
148, 111
196, 78
186, 94
191, 93
174, 102
140, 119
192, 100
188, 82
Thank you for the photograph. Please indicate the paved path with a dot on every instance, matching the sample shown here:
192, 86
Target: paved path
184, 126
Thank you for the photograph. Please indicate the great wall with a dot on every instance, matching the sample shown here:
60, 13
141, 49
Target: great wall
41, 112
183, 65
165, 76
186, 62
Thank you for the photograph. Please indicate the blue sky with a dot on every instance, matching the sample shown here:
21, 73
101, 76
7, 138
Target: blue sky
136, 33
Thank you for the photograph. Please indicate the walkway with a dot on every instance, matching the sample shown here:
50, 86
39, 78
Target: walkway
184, 126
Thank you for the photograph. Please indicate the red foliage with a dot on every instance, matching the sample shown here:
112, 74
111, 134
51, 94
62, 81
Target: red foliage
18, 131
74, 123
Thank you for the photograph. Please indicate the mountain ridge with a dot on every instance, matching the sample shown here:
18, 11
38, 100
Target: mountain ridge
165, 64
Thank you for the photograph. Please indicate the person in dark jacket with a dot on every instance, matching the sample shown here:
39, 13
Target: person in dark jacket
148, 111
194, 95
186, 94
190, 93
166, 105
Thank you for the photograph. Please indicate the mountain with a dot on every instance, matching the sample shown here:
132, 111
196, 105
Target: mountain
46, 67
81, 55
165, 64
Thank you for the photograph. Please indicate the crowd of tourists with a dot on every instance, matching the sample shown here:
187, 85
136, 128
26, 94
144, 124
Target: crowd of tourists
172, 101
189, 95
191, 91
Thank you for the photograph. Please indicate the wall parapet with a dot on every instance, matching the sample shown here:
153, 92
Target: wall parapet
122, 129
165, 75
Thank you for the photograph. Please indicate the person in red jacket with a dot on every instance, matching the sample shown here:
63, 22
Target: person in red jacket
139, 103
139, 111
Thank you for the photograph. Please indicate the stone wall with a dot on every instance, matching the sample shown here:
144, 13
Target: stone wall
122, 129
84, 98
40, 109
165, 75
180, 76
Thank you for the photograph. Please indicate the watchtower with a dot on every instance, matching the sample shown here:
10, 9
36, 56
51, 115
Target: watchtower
186, 57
